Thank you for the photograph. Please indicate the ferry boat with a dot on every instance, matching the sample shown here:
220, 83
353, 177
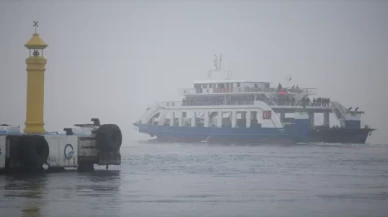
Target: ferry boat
237, 111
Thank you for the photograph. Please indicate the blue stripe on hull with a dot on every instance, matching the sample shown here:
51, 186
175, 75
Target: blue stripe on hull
223, 135
223, 140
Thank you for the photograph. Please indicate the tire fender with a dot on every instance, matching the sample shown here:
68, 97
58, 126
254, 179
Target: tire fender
33, 150
108, 137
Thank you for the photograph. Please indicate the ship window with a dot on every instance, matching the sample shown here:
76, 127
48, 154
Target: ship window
154, 119
210, 85
238, 84
204, 85
221, 85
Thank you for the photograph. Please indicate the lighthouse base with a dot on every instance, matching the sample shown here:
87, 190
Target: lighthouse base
36, 128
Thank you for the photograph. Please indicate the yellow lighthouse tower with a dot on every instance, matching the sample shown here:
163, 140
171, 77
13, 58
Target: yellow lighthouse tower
35, 84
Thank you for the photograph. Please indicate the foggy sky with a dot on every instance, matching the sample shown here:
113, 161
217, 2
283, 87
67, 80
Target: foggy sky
110, 59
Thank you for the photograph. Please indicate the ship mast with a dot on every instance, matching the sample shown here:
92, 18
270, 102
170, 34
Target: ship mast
217, 67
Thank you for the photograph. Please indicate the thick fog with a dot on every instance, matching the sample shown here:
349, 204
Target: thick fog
110, 59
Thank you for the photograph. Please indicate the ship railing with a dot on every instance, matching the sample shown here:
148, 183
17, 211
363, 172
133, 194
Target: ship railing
311, 104
308, 91
237, 102
250, 102
193, 91
187, 91
218, 103
169, 103
204, 103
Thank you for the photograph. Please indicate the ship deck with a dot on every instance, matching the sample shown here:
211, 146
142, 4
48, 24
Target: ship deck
292, 109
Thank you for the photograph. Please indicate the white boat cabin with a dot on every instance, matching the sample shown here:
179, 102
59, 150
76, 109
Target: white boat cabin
174, 114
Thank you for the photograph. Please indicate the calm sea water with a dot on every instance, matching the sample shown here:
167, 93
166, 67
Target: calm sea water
213, 180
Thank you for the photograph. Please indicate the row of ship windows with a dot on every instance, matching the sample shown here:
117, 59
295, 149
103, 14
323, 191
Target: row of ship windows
226, 85
240, 115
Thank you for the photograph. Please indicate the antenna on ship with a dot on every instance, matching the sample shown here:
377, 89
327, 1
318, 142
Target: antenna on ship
287, 79
216, 67
219, 65
229, 76
216, 62
209, 74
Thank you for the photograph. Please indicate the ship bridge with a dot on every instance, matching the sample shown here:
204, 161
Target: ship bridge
228, 92
240, 92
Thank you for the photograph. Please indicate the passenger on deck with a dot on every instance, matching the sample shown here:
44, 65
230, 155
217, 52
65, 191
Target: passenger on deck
306, 101
297, 89
279, 88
